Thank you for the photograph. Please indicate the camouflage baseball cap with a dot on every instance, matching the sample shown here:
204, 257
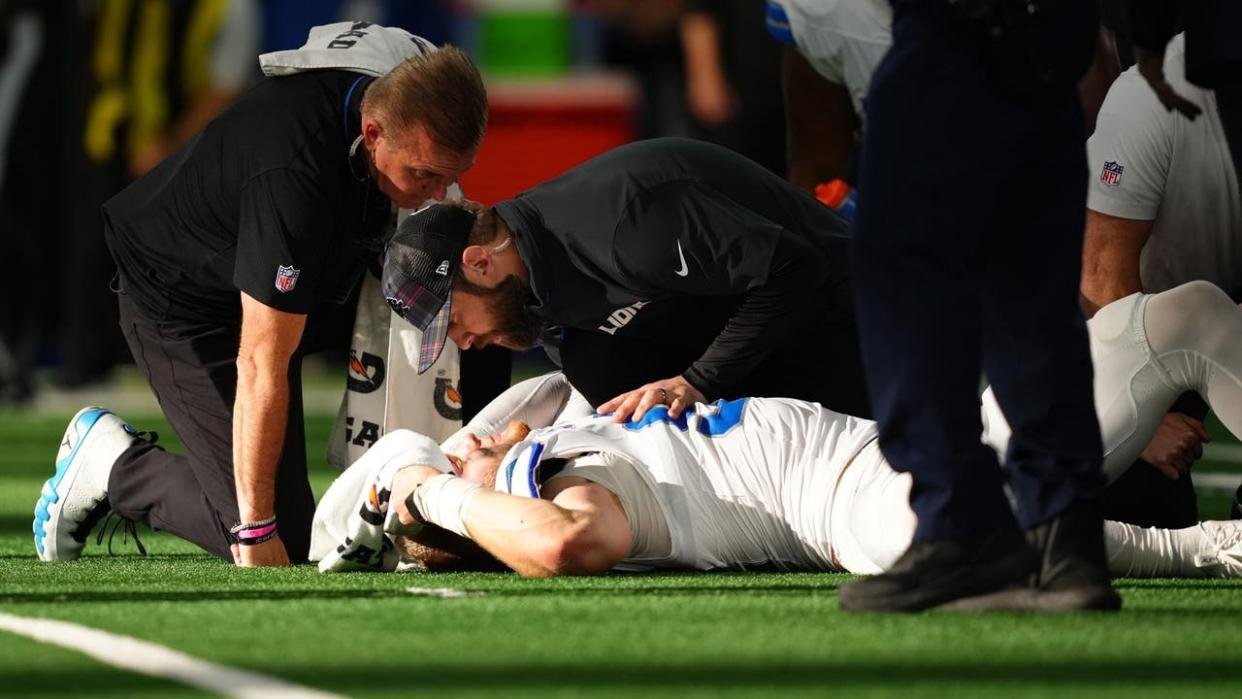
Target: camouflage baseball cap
419, 265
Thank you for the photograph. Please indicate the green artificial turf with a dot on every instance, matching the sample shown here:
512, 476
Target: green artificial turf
672, 635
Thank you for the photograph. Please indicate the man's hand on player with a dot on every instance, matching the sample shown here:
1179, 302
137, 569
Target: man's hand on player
270, 553
676, 393
1151, 67
1177, 444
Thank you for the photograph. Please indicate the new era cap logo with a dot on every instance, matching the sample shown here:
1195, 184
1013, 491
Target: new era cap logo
397, 305
442, 270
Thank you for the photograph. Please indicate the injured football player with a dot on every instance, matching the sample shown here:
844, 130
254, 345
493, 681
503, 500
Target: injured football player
756, 482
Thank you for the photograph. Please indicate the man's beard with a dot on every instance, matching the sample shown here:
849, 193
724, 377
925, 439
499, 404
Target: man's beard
516, 326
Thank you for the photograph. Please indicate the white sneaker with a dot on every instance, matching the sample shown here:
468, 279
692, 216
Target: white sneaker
75, 498
1225, 539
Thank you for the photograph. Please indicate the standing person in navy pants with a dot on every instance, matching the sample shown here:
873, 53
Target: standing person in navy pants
965, 262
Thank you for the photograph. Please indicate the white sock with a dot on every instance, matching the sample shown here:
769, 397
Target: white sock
1206, 550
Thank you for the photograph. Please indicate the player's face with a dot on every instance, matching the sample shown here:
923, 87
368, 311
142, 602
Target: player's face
410, 169
477, 458
480, 463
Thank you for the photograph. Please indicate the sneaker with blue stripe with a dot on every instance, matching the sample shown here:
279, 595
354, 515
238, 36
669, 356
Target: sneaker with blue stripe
75, 498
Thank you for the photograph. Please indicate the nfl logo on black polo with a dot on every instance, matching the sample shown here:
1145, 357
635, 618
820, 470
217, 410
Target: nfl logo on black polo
286, 278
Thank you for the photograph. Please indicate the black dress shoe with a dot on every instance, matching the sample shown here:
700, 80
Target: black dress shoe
932, 573
1072, 574
1073, 570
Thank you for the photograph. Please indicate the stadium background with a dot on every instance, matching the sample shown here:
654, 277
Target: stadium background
566, 80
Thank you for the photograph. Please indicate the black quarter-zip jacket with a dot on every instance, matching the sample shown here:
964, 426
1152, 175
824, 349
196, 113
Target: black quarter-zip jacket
675, 238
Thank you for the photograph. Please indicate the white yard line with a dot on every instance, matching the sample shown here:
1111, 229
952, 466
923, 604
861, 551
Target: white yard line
1217, 481
157, 661
445, 592
1222, 481
1223, 452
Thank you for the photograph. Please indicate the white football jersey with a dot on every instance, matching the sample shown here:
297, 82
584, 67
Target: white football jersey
741, 483
844, 40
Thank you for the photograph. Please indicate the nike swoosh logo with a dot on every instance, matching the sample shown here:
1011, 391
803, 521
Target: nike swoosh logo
684, 269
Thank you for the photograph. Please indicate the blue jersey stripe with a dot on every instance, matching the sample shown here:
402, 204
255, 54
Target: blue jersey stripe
778, 24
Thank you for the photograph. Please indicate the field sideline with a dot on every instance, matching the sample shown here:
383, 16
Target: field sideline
660, 635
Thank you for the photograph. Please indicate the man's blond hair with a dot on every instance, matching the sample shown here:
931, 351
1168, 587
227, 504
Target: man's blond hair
441, 91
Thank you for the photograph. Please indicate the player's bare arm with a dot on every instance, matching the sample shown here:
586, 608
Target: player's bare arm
268, 340
820, 124
579, 529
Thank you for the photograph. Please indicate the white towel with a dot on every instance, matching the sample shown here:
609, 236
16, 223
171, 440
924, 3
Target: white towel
353, 518
384, 391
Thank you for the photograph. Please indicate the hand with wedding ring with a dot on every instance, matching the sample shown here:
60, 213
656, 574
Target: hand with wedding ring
675, 393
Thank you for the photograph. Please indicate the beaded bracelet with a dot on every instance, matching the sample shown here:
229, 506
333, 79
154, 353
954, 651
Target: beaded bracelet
251, 533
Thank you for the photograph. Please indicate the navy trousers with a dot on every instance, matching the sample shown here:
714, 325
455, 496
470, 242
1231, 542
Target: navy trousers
966, 261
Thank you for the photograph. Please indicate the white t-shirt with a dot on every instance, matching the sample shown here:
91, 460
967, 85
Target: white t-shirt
843, 40
1151, 164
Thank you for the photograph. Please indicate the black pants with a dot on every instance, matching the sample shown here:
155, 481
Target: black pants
966, 257
192, 370
1144, 496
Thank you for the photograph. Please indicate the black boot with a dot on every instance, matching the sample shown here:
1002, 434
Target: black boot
932, 573
1073, 571
1072, 574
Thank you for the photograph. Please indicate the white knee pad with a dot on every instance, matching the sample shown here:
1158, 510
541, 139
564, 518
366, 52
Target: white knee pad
1195, 332
1132, 391
1194, 317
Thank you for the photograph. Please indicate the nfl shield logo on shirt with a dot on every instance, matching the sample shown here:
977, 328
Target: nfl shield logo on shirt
286, 278
1111, 175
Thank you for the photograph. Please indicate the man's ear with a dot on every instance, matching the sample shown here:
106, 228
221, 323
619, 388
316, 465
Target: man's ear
371, 131
477, 260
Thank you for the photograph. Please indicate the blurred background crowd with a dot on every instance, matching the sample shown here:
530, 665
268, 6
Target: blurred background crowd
95, 92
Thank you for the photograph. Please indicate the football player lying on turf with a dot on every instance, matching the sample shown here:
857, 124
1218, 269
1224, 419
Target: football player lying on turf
770, 482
